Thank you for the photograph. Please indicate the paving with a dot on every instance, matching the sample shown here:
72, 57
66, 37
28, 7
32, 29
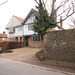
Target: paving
27, 55
21, 54
10, 67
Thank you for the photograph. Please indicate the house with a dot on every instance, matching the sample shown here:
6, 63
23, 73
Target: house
31, 39
22, 29
14, 29
3, 36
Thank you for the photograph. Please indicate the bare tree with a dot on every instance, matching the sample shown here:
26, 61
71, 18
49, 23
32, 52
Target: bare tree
72, 21
3, 2
60, 8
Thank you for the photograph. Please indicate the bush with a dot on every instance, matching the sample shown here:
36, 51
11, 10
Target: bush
6, 51
40, 55
11, 45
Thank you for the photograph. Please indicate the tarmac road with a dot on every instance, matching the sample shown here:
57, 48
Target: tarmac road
10, 67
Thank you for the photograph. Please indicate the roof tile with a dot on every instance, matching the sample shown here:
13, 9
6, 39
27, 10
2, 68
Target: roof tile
20, 19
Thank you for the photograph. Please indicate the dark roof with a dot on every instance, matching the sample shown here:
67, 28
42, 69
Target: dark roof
29, 14
34, 11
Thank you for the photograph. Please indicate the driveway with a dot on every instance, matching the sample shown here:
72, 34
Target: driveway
21, 54
10, 67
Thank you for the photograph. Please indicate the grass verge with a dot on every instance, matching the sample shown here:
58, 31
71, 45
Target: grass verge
64, 64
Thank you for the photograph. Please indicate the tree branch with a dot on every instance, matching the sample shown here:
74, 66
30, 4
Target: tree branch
36, 2
67, 17
61, 4
4, 2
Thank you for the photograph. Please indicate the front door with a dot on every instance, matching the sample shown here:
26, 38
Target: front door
26, 40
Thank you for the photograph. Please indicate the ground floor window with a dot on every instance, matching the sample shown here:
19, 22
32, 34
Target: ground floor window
36, 38
11, 39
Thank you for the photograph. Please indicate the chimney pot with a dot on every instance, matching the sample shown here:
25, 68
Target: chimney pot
4, 32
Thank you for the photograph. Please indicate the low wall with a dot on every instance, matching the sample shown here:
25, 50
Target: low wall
61, 45
11, 45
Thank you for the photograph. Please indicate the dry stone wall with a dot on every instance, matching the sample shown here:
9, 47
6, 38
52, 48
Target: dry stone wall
61, 45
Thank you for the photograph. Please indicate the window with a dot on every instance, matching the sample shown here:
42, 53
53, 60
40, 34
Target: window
11, 30
36, 38
3, 39
11, 39
30, 27
19, 28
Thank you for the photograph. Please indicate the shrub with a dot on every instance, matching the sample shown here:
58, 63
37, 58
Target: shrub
40, 55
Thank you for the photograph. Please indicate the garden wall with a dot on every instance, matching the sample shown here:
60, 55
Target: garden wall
11, 45
61, 45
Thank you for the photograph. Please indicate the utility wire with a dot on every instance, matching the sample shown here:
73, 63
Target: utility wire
3, 3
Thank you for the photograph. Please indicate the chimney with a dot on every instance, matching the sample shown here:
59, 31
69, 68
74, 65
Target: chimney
61, 21
4, 32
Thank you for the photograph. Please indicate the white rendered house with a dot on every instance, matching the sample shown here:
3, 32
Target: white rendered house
31, 39
14, 29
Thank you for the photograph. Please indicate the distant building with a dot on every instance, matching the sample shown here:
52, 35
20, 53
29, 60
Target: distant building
3, 36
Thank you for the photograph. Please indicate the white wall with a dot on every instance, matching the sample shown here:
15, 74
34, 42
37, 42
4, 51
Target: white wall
25, 27
13, 23
30, 19
26, 31
17, 33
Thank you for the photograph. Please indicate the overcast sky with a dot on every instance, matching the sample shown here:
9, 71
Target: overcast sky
18, 8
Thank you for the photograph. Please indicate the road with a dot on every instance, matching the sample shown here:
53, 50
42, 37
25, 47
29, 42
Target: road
10, 67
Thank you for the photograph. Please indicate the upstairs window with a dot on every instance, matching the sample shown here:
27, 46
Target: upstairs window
19, 28
36, 38
11, 30
30, 27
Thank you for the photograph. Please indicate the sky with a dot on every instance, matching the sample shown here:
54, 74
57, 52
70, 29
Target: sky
18, 8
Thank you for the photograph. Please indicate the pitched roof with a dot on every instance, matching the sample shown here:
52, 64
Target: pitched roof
20, 19
14, 22
31, 11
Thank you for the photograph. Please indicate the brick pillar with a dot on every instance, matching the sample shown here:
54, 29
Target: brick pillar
30, 41
20, 39
45, 40
61, 21
17, 39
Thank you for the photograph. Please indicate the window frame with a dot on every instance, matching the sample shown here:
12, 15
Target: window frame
30, 26
20, 28
11, 30
34, 36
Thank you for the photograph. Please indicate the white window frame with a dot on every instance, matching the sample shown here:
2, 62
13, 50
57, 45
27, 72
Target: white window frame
20, 28
30, 27
12, 30
36, 38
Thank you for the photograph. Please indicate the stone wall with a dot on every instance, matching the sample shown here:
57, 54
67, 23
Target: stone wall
61, 45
